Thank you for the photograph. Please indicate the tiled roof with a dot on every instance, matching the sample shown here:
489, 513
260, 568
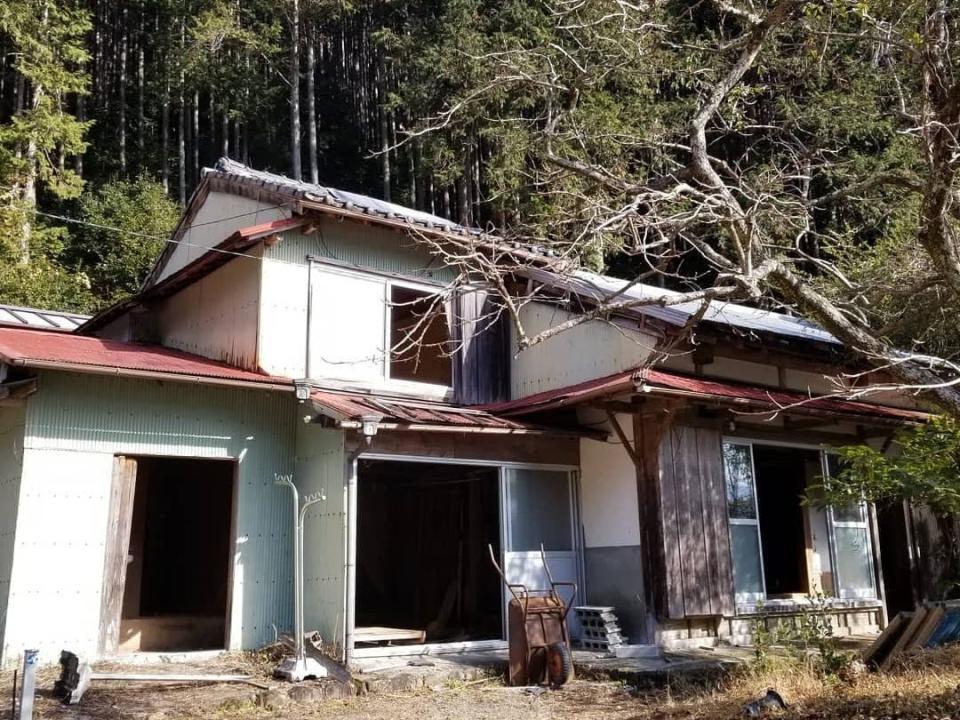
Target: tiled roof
11, 315
67, 351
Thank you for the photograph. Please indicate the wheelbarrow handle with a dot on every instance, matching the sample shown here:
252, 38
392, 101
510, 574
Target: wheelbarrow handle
524, 598
573, 595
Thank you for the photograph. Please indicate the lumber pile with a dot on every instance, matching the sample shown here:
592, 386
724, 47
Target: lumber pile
930, 625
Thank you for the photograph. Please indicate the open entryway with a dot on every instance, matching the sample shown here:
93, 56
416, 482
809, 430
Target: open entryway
423, 569
424, 580
170, 549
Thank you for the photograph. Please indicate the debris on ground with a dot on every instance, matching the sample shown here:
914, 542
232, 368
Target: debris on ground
930, 625
772, 700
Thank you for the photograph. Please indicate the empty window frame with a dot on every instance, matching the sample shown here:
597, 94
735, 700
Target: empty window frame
419, 336
851, 550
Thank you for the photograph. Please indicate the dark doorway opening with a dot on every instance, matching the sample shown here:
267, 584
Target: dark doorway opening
781, 476
178, 570
898, 571
423, 568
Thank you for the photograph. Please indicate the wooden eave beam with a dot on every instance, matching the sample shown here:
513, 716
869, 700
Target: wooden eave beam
624, 440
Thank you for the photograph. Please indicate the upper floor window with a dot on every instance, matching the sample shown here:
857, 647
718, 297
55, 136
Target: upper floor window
375, 329
419, 336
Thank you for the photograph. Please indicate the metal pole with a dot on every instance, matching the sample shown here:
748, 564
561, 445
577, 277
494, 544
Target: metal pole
28, 681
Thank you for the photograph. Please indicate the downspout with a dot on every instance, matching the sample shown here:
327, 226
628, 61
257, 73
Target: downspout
306, 361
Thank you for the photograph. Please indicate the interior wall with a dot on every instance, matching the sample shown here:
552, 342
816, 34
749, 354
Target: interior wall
11, 457
75, 426
611, 531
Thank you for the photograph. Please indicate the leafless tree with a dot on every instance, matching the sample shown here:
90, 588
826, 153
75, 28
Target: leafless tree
748, 226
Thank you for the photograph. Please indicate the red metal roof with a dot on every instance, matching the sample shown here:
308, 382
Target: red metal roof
42, 349
660, 382
409, 413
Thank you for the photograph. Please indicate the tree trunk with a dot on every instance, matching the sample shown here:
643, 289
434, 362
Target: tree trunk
122, 120
196, 135
384, 125
295, 167
165, 137
141, 93
312, 111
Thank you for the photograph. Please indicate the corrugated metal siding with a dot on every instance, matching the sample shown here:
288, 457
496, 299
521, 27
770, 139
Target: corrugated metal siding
365, 247
216, 317
321, 469
591, 350
75, 425
11, 455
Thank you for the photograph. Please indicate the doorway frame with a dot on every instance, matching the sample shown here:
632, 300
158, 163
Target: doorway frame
119, 522
470, 645
743, 436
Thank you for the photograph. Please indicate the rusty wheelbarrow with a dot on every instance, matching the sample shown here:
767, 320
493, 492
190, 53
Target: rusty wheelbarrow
537, 625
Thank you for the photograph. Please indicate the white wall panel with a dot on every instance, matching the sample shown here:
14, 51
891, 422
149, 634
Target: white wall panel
348, 334
608, 492
11, 456
585, 352
282, 342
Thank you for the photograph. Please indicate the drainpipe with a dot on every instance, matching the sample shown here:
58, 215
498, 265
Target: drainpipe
306, 366
368, 428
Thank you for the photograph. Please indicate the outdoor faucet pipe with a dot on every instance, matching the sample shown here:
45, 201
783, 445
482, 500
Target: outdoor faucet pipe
299, 514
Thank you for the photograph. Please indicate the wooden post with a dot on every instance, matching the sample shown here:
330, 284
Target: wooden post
119, 520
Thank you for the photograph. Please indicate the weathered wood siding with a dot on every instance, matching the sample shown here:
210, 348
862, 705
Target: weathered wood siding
481, 367
684, 517
11, 458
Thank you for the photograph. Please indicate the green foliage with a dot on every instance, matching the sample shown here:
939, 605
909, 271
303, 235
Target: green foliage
48, 39
806, 637
923, 465
116, 261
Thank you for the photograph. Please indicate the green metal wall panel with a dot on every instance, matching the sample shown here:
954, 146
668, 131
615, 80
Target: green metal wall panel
75, 425
321, 468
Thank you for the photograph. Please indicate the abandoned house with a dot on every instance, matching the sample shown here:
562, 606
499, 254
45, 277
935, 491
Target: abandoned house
140, 449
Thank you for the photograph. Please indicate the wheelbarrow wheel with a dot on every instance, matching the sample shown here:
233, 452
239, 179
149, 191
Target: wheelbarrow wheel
559, 664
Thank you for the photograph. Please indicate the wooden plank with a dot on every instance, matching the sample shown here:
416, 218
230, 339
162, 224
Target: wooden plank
119, 520
695, 572
886, 638
710, 454
930, 624
669, 514
388, 634
916, 621
536, 449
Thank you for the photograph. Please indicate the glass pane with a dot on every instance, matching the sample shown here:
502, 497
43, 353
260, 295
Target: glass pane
853, 561
539, 510
738, 465
843, 513
745, 546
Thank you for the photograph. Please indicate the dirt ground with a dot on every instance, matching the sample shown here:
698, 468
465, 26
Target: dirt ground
925, 687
